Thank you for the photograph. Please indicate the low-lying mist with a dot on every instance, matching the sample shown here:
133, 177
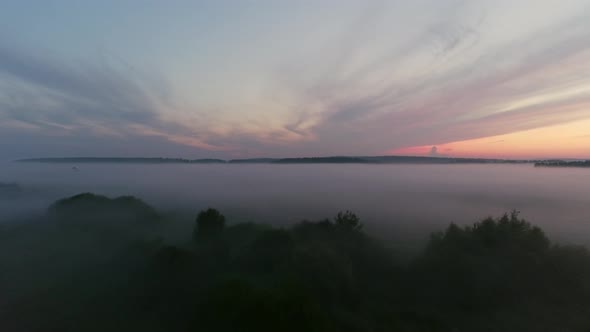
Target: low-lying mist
90, 262
406, 202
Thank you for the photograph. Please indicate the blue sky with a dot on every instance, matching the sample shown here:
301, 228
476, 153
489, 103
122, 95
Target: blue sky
293, 78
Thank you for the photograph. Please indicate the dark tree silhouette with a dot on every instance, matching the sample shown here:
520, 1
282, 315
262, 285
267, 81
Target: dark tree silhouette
209, 223
348, 220
498, 274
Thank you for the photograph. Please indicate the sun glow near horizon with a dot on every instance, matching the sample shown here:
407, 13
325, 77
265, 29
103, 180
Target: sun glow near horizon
566, 141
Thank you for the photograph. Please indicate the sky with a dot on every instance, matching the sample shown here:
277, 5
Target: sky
274, 78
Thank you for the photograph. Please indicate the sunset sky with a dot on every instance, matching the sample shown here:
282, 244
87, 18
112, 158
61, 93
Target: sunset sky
238, 79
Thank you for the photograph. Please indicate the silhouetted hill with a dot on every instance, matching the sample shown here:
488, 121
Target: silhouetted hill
440, 160
323, 160
302, 160
90, 209
78, 160
563, 163
396, 160
253, 161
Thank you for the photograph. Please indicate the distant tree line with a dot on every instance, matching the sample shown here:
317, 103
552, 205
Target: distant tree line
561, 163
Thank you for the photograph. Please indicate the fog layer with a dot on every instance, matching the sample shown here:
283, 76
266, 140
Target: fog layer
403, 201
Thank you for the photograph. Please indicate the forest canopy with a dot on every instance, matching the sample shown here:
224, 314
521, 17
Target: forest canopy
95, 263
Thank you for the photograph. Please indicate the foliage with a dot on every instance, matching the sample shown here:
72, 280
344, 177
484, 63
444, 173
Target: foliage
499, 274
239, 306
503, 266
10, 190
348, 220
209, 223
90, 209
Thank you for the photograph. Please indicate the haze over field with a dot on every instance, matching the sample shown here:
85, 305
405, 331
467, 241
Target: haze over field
396, 201
285, 253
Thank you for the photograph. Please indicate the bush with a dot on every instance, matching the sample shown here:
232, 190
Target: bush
209, 223
239, 306
101, 214
348, 220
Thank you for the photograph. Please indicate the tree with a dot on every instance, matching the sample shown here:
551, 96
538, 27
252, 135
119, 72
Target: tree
348, 220
209, 223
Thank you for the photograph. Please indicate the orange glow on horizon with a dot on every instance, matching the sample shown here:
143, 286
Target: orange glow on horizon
563, 141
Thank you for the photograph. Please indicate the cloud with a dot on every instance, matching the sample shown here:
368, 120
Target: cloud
536, 80
434, 152
399, 75
86, 106
106, 91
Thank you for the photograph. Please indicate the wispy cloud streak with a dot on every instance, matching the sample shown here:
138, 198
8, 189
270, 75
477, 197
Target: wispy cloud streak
398, 75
